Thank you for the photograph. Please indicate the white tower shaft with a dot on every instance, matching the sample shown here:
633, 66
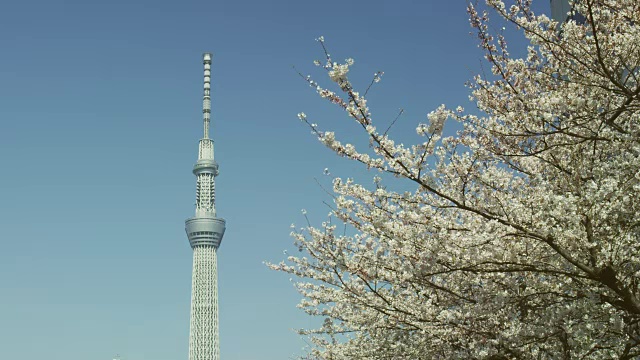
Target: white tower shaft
204, 343
205, 233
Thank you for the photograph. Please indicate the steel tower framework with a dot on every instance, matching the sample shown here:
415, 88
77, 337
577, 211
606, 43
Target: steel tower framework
205, 232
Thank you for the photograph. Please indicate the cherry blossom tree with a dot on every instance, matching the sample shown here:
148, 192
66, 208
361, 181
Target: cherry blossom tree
520, 237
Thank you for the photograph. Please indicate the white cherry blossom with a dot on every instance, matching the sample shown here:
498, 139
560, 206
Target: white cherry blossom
521, 237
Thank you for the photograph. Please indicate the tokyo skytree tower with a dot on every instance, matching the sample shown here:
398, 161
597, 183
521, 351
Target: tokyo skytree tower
205, 232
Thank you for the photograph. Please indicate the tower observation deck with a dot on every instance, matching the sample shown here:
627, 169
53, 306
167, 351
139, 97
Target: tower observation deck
205, 231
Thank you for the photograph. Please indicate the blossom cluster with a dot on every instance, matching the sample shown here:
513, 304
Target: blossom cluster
521, 238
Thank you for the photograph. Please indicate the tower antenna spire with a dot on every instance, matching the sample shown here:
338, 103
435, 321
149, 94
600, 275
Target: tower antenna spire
206, 99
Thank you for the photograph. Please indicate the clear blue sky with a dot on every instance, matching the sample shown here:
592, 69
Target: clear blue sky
100, 115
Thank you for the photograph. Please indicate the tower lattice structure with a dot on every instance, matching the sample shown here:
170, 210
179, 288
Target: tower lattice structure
205, 231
